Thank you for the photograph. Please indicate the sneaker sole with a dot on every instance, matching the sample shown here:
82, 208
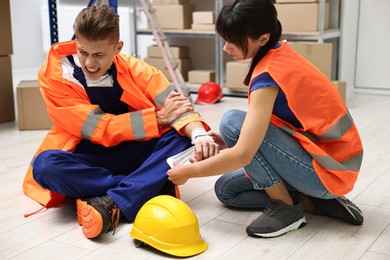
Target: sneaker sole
79, 209
92, 221
294, 226
350, 212
355, 215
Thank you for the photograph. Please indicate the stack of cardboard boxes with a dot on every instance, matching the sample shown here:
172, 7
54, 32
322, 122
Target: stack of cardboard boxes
300, 15
203, 21
180, 53
174, 14
7, 110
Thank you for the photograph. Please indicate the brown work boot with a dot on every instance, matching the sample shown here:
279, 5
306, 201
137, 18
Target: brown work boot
99, 215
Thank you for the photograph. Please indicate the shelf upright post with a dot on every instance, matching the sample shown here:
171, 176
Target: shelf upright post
219, 66
53, 21
321, 21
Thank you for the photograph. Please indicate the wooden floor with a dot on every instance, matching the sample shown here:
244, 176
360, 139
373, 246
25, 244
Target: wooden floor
55, 234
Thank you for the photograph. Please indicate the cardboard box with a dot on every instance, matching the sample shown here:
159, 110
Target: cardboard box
320, 54
169, 2
203, 27
175, 16
178, 52
7, 109
204, 17
5, 28
235, 75
201, 76
342, 88
301, 17
184, 65
32, 112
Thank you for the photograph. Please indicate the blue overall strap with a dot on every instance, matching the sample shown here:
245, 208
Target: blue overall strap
78, 73
108, 98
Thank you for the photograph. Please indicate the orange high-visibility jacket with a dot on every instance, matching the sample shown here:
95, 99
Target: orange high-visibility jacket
144, 90
328, 132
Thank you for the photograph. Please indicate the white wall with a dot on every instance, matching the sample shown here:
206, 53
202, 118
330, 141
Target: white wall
348, 42
26, 34
373, 63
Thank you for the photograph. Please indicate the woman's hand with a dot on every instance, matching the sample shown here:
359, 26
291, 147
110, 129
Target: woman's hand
178, 174
218, 139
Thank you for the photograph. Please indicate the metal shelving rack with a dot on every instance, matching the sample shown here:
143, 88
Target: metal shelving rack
320, 36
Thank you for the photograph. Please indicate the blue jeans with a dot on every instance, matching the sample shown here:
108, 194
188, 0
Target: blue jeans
280, 158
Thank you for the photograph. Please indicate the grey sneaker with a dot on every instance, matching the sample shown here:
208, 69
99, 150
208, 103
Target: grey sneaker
277, 219
341, 208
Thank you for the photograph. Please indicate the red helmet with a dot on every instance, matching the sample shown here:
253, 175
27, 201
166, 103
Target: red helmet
209, 93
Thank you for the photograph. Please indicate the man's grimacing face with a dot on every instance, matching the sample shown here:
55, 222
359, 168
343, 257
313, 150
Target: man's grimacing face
96, 57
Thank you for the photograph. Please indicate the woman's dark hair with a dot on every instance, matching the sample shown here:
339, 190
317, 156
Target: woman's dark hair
241, 19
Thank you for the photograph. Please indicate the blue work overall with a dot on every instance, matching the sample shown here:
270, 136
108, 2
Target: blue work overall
131, 173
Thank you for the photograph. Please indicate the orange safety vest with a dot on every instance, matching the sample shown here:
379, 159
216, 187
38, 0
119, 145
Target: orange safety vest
328, 132
144, 90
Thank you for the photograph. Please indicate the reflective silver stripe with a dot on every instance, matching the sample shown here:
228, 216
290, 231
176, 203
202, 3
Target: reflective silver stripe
160, 98
292, 132
32, 161
335, 132
338, 129
183, 115
352, 164
91, 122
137, 125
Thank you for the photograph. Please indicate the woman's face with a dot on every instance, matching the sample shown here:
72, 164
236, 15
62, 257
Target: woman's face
254, 46
236, 53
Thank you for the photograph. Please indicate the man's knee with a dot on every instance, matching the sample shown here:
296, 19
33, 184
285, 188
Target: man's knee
43, 164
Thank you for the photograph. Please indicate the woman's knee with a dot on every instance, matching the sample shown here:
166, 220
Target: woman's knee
230, 125
229, 185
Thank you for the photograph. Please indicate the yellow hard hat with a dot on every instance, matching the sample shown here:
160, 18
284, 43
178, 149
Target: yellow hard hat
169, 225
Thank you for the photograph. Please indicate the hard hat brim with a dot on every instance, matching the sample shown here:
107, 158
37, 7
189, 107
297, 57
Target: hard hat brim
172, 249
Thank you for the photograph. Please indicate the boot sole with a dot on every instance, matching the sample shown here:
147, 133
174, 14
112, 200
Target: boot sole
79, 209
92, 221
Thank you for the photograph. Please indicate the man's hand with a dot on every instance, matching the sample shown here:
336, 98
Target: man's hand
175, 105
204, 148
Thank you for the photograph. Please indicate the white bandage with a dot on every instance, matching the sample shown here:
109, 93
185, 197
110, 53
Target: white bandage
199, 134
